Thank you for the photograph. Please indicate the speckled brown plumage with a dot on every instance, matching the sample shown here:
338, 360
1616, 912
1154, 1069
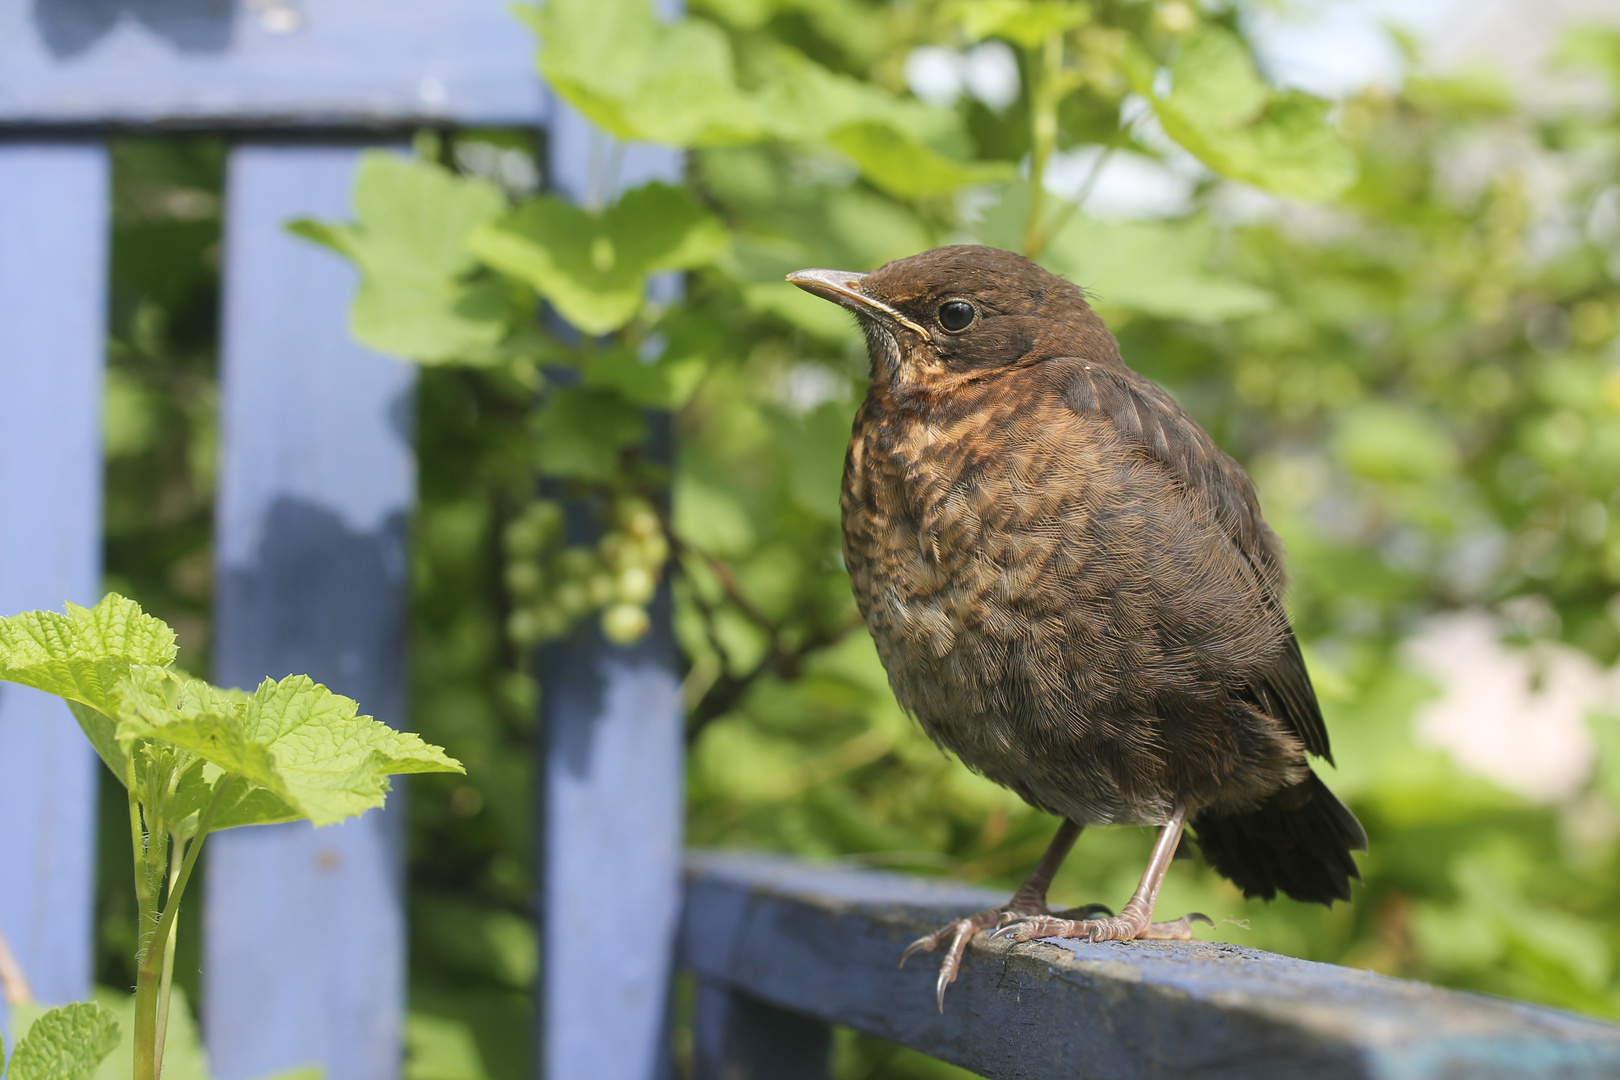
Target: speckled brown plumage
1070, 584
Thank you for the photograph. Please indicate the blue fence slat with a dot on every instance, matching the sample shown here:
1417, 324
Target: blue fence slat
612, 788
53, 270
736, 1036
304, 935
292, 63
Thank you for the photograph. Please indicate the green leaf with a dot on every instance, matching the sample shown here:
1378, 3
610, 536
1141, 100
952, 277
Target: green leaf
1157, 268
1221, 111
409, 243
580, 431
665, 383
801, 310
1022, 22
908, 169
593, 267
81, 655
674, 82
300, 750
805, 102
291, 749
66, 1043
1392, 443
639, 78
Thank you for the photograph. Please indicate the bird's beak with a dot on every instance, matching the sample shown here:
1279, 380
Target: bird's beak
843, 287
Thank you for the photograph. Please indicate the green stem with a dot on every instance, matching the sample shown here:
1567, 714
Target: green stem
151, 987
166, 982
1067, 211
1044, 94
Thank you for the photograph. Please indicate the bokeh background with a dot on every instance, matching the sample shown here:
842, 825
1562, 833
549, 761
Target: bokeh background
1382, 272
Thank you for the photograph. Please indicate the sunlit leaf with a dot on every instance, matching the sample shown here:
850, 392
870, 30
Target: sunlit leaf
906, 168
66, 1043
302, 749
639, 78
1023, 22
1221, 110
409, 244
593, 267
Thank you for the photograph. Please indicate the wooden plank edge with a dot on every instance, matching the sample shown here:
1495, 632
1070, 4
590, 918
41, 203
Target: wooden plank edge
824, 941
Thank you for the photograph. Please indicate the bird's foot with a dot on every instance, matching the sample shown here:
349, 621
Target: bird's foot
1127, 926
956, 934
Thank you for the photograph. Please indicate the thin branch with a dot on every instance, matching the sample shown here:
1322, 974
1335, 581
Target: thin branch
12, 983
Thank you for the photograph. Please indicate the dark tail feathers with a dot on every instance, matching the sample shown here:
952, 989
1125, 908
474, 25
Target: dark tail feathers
1299, 841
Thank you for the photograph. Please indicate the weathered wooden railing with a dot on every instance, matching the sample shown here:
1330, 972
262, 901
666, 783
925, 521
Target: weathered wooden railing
782, 949
304, 948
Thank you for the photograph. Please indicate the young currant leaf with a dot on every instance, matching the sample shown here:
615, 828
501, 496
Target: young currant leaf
299, 750
82, 654
66, 1043
1022, 22
1221, 110
804, 102
593, 267
907, 168
409, 243
640, 78
674, 82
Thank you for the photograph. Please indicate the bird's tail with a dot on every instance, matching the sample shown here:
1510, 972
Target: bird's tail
1298, 841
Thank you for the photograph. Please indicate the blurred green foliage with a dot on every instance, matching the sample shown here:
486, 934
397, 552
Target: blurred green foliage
1419, 367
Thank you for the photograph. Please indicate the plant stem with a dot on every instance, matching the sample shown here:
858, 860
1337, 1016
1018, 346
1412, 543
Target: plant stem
14, 988
167, 980
1044, 91
151, 980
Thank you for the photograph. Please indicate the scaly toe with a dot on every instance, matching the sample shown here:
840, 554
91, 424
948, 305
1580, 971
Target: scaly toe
1176, 930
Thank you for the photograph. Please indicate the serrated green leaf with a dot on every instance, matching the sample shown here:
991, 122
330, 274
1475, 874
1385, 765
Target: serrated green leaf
1023, 22
409, 243
805, 102
639, 78
81, 654
593, 267
580, 431
303, 748
66, 1043
675, 83
1224, 113
908, 169
1214, 83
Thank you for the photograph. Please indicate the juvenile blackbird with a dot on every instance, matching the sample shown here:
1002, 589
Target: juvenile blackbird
1072, 589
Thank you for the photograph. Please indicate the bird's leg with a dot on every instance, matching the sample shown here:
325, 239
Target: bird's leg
1029, 900
1136, 920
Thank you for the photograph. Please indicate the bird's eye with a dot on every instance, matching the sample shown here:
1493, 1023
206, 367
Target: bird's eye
956, 315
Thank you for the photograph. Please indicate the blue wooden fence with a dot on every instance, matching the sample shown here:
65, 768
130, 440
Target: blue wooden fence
303, 929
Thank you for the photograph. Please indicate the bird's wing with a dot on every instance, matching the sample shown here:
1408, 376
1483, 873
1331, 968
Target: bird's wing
1138, 408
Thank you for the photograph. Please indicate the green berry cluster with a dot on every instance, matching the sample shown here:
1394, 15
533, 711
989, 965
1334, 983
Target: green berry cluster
554, 584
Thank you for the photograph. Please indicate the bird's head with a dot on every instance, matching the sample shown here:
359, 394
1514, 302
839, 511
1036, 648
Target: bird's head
953, 313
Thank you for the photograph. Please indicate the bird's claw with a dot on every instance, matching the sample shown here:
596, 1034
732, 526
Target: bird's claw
1128, 927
